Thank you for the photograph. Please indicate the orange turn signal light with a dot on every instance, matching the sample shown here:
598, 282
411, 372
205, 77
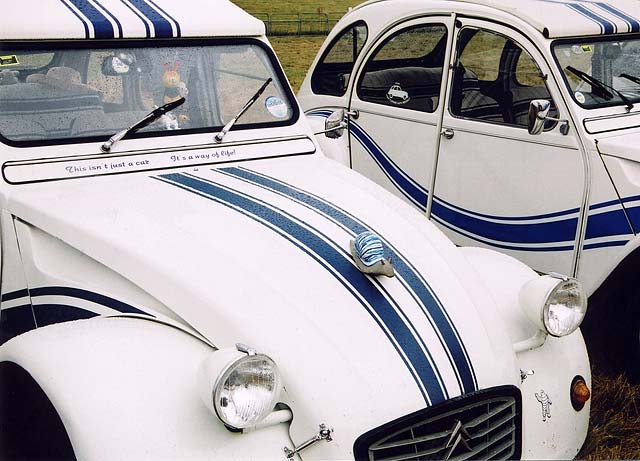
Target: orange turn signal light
580, 393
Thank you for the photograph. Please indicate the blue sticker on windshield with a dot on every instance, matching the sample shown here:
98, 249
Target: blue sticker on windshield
276, 106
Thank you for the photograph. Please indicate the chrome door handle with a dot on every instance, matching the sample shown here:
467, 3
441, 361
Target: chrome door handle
447, 133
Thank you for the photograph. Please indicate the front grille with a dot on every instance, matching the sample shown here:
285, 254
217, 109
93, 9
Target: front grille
482, 425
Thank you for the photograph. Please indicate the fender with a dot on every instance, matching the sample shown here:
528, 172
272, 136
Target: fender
115, 382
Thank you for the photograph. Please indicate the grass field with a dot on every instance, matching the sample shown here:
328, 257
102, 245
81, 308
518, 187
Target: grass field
300, 6
615, 415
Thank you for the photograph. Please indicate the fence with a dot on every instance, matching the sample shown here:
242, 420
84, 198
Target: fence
298, 23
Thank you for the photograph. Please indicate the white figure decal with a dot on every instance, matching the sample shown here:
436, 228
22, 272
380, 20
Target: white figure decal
543, 398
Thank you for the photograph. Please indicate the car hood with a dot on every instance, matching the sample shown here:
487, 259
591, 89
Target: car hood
258, 253
626, 146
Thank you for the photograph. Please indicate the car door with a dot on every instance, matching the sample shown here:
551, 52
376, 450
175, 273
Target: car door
498, 186
398, 99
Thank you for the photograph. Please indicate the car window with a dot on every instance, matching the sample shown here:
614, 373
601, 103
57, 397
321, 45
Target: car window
406, 69
63, 94
495, 79
332, 73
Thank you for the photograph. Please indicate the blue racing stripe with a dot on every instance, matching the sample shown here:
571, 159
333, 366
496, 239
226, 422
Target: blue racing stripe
48, 314
115, 19
410, 278
313, 243
14, 321
606, 26
410, 188
175, 23
102, 27
162, 26
87, 296
137, 13
15, 295
634, 25
513, 231
75, 13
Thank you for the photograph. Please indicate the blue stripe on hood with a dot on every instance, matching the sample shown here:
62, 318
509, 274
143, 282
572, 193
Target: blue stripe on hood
409, 276
339, 264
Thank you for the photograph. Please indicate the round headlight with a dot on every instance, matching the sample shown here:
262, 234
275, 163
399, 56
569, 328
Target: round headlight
245, 388
556, 304
247, 392
565, 308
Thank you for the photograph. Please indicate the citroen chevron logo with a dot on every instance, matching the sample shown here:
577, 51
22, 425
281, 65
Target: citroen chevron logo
459, 434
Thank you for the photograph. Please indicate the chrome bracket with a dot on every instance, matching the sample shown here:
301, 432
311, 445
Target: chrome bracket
246, 349
525, 374
324, 433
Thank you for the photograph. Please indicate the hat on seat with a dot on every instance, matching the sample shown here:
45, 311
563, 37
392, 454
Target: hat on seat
64, 78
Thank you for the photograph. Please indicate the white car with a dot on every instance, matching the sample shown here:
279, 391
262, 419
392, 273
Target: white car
522, 133
206, 284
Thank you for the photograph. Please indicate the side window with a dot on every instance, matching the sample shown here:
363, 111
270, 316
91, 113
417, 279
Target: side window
332, 73
406, 69
495, 79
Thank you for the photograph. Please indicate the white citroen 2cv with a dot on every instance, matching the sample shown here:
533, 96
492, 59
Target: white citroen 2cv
186, 276
521, 132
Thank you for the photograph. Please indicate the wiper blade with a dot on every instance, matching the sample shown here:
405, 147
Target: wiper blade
249, 103
152, 116
630, 77
605, 91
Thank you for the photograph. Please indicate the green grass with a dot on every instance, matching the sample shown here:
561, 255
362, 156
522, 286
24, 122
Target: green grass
300, 6
296, 55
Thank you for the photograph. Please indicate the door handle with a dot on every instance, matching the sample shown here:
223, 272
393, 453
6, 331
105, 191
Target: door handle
447, 133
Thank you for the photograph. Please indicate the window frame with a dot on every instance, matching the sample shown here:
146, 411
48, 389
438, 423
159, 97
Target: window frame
330, 48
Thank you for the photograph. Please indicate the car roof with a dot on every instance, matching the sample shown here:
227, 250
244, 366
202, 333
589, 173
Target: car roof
553, 18
115, 19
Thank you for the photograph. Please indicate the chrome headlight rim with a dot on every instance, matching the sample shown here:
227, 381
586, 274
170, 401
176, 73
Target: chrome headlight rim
226, 372
563, 283
538, 297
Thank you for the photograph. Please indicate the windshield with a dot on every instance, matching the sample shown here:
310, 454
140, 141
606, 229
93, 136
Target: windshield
614, 64
62, 95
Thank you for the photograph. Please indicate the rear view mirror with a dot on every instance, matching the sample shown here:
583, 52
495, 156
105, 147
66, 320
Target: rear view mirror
119, 64
539, 115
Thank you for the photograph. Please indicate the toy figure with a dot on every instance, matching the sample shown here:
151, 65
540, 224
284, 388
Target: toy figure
174, 89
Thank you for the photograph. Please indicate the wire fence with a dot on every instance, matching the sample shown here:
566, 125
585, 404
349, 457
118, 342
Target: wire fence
318, 23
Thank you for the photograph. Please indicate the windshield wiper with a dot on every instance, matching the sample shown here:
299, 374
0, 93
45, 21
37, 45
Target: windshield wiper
602, 87
152, 116
249, 103
630, 77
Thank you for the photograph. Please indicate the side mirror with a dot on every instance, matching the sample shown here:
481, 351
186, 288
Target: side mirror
538, 111
538, 116
335, 124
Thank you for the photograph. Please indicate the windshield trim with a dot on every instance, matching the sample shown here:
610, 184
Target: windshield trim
598, 38
142, 43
